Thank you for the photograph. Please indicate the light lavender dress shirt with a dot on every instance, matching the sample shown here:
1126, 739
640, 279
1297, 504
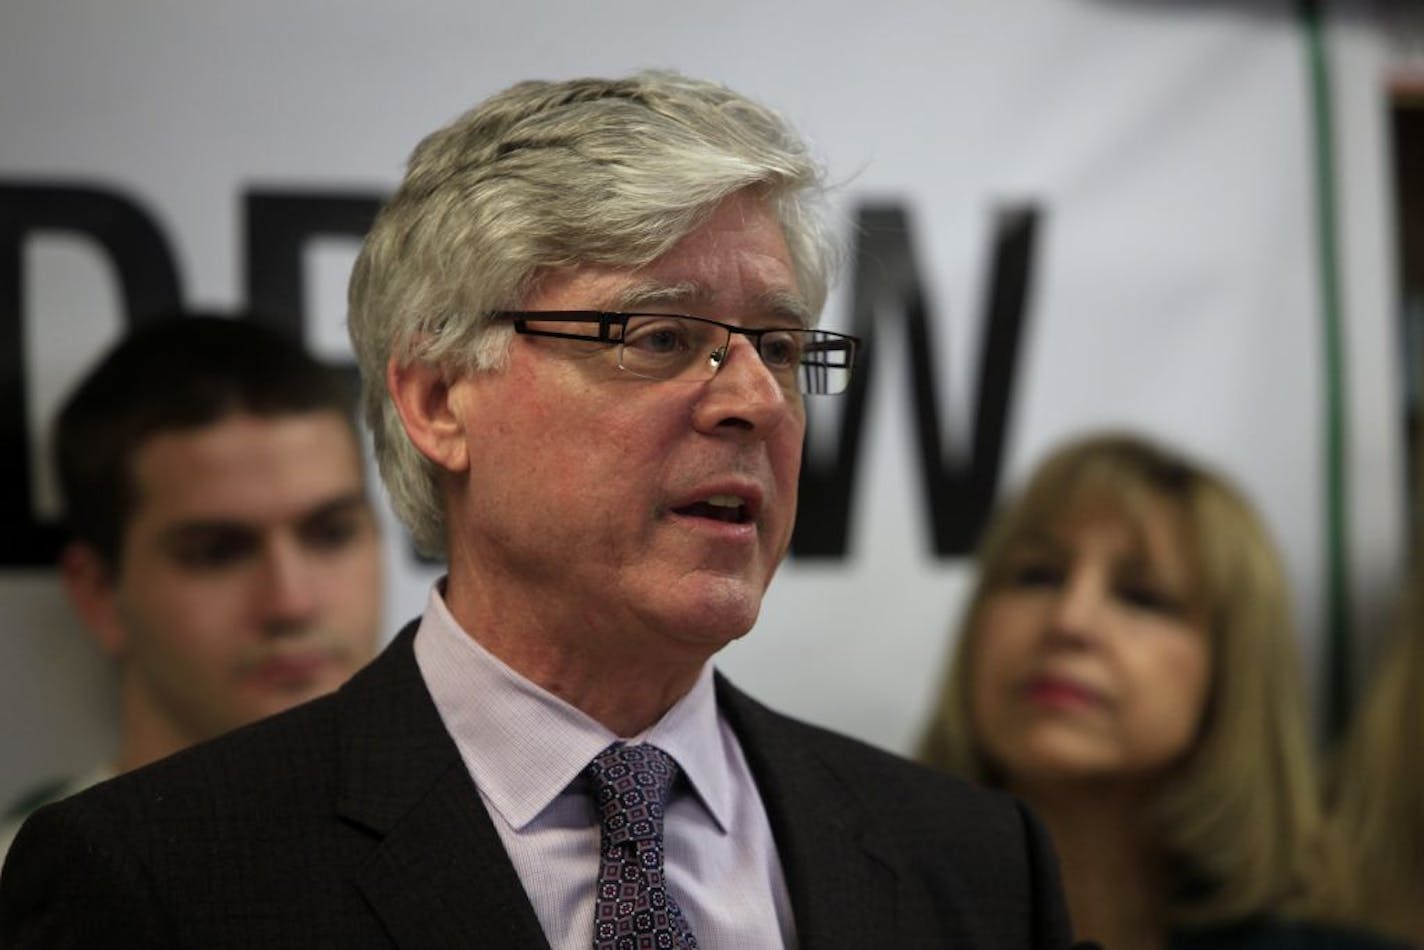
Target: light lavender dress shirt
526, 750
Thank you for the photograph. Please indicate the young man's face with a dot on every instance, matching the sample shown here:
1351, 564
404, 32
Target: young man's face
250, 573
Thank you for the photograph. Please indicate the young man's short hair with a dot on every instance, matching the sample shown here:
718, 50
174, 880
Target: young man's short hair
180, 373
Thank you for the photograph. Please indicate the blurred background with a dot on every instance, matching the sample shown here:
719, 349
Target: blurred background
1203, 221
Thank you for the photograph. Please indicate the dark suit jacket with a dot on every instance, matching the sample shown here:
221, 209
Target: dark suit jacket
352, 822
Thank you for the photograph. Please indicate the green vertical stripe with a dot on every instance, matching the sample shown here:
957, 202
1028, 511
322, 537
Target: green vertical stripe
1335, 691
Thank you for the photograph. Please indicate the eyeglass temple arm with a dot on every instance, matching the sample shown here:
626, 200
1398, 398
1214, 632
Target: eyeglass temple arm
606, 322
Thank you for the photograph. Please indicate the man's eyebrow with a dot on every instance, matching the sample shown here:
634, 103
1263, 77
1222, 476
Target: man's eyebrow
781, 304
187, 532
789, 305
652, 294
355, 500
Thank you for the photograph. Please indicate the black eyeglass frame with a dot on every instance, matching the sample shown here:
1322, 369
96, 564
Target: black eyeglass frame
608, 320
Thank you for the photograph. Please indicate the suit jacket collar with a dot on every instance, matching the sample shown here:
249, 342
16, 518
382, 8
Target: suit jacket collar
843, 886
440, 876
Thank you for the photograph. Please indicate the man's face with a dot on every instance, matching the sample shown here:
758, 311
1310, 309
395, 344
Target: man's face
591, 507
250, 573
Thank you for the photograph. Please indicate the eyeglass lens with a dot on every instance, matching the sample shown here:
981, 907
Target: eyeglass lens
671, 347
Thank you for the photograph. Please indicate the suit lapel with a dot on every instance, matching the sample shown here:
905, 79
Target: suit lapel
842, 887
440, 876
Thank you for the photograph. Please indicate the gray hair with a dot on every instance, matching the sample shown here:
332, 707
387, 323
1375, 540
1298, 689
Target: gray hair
548, 175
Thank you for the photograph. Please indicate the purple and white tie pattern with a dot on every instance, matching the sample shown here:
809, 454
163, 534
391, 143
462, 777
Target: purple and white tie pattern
634, 908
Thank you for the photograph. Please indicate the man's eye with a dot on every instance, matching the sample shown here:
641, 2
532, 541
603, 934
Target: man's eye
781, 349
212, 552
334, 531
658, 338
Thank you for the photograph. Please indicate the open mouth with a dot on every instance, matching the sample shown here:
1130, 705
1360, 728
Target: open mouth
725, 508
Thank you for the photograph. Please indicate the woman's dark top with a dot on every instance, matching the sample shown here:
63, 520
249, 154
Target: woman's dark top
1277, 935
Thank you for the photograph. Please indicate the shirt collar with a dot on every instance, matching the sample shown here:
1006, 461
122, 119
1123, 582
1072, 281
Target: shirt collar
523, 745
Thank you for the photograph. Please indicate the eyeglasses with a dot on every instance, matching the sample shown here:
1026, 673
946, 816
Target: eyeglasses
672, 347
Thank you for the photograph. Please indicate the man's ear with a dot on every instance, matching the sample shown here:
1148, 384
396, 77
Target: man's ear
424, 397
92, 586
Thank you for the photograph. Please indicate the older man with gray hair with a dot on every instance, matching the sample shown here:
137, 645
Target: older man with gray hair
586, 326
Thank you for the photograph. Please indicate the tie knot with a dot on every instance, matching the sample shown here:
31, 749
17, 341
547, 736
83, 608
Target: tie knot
630, 785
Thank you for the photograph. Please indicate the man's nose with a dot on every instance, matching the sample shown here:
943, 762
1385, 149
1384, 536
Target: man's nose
287, 598
743, 396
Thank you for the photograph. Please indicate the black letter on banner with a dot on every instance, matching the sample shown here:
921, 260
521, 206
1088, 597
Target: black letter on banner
278, 225
959, 498
148, 280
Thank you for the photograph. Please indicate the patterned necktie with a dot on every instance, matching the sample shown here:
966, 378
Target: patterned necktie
634, 908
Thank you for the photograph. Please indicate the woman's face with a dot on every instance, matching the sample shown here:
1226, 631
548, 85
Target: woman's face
1091, 656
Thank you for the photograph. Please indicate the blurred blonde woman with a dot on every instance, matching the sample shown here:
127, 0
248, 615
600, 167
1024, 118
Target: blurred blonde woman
1128, 668
1379, 816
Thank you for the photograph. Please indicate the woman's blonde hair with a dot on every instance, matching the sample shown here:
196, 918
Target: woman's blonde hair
1377, 821
1238, 820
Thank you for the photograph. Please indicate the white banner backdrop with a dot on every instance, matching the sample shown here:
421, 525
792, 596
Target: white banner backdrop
1163, 151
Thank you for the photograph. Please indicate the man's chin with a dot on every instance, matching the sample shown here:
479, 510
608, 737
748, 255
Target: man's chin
714, 612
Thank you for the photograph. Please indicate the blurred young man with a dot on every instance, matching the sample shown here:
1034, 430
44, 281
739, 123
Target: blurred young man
223, 550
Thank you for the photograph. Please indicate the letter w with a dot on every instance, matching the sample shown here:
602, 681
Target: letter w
959, 494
